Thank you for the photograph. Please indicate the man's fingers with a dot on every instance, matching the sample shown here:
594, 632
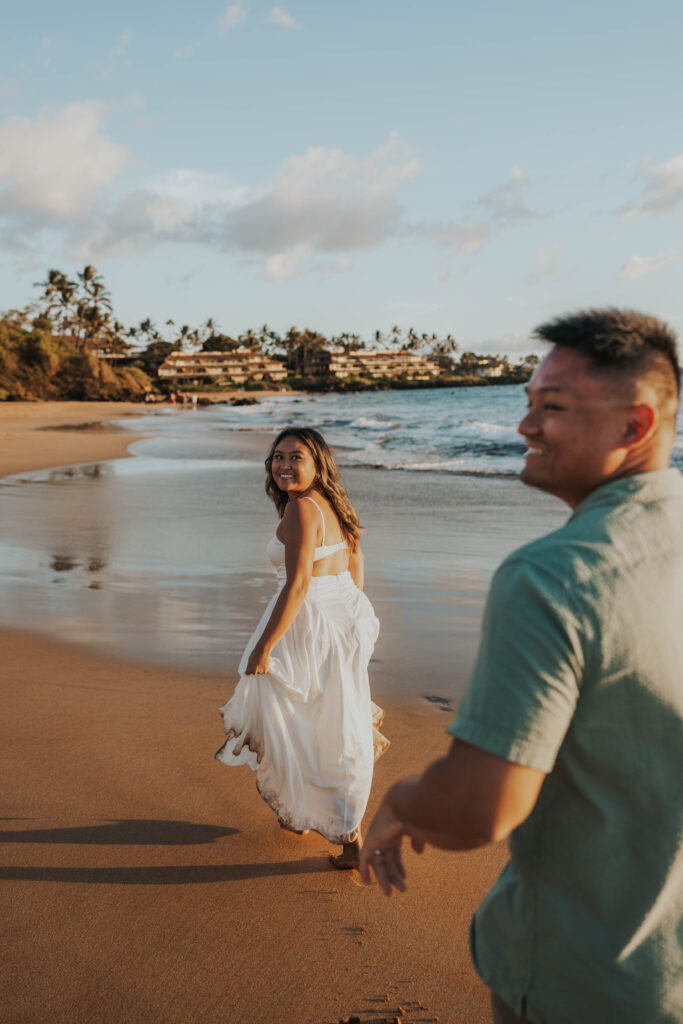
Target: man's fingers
394, 870
417, 844
364, 867
398, 861
388, 869
379, 867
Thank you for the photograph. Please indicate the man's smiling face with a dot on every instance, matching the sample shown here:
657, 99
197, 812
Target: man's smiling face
574, 427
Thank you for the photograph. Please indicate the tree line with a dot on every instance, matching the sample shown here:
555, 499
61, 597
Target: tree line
81, 310
51, 348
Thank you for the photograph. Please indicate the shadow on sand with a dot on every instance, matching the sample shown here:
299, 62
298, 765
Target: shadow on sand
200, 874
124, 832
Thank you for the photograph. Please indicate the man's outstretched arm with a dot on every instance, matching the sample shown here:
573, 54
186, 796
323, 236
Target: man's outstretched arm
466, 799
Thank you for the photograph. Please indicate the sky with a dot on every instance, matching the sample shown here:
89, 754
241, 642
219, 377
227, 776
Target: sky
463, 168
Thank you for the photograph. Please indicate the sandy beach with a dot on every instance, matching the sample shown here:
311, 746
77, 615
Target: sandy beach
144, 882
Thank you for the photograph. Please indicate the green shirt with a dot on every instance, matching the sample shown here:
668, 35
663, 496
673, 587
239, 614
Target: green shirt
580, 674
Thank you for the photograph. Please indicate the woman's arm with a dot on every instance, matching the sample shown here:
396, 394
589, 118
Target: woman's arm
299, 531
357, 567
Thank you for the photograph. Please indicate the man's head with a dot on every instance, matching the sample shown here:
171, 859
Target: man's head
602, 404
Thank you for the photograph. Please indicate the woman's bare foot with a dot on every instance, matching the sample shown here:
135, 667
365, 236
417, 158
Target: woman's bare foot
296, 831
347, 860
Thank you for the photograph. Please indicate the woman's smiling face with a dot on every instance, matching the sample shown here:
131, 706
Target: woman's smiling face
293, 466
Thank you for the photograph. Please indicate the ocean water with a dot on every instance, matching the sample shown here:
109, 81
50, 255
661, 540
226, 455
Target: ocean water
453, 430
471, 431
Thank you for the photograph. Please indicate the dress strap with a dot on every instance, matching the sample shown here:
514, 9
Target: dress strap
306, 498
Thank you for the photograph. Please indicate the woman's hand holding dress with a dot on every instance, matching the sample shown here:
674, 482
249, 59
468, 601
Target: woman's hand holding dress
259, 662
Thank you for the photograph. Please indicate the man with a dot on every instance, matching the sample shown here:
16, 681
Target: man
570, 736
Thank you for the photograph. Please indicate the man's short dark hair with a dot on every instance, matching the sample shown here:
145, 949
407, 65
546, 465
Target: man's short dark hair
619, 339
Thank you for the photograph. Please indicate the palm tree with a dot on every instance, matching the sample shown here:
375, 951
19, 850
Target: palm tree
58, 294
92, 285
184, 335
148, 331
92, 322
80, 309
443, 351
250, 339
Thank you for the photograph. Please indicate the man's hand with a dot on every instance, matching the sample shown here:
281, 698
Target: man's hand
382, 847
464, 800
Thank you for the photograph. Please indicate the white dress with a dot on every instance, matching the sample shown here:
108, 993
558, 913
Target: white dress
308, 727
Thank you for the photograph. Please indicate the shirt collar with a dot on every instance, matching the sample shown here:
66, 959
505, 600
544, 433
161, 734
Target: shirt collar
652, 486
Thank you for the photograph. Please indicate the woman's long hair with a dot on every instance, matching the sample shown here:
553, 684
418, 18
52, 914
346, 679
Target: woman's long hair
327, 481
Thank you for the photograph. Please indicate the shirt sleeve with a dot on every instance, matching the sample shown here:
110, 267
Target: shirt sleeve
527, 674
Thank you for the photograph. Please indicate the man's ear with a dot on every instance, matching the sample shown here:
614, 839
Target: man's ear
641, 420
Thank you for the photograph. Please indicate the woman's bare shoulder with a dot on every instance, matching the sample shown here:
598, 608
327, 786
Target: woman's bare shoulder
300, 515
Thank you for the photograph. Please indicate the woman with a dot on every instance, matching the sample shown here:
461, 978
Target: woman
301, 716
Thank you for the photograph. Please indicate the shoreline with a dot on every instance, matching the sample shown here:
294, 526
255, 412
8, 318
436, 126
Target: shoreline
33, 434
146, 882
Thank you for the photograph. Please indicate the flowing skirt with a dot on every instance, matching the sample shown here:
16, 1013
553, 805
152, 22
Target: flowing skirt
308, 728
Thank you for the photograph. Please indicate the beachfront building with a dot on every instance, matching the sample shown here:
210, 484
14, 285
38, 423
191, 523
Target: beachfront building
488, 367
236, 367
119, 354
491, 366
376, 364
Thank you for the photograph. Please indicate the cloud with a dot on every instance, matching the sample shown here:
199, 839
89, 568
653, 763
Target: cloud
465, 235
278, 16
54, 166
183, 206
504, 204
233, 16
200, 188
663, 188
322, 201
59, 171
138, 221
498, 208
282, 266
546, 264
326, 197
642, 266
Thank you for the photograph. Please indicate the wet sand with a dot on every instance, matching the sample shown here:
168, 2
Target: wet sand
145, 882
33, 435
39, 435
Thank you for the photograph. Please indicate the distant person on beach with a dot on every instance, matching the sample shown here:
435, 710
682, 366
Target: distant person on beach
301, 716
569, 739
